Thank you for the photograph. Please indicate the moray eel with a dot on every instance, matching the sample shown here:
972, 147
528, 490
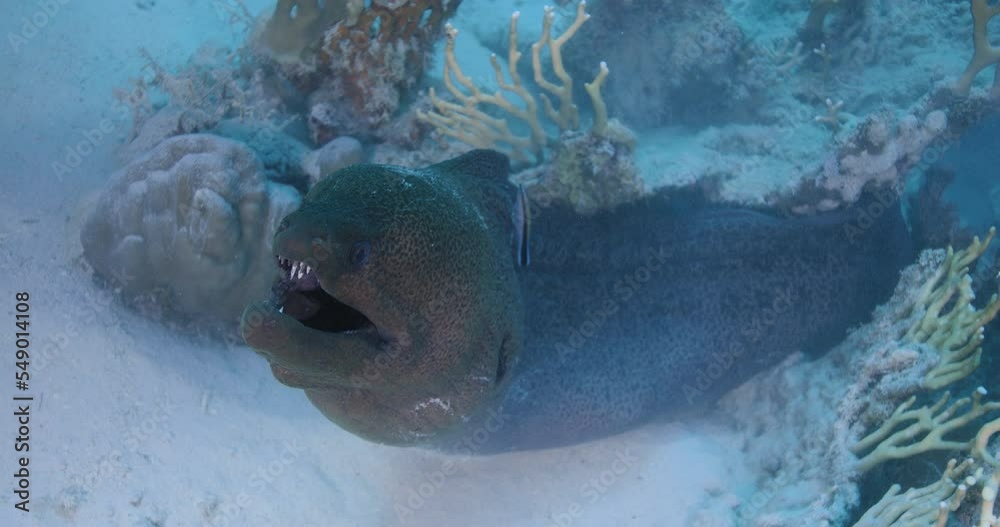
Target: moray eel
405, 313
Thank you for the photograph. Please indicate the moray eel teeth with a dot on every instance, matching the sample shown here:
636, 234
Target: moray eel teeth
298, 294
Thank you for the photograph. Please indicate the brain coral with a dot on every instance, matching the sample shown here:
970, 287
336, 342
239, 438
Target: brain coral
190, 224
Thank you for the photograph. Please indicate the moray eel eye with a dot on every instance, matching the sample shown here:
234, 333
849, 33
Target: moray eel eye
360, 253
298, 294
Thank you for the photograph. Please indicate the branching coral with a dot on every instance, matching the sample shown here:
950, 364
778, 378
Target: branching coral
948, 323
985, 54
932, 506
987, 514
926, 431
468, 122
951, 325
862, 380
980, 449
833, 118
812, 32
922, 506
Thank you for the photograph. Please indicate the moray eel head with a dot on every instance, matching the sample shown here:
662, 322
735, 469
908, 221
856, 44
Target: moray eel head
396, 306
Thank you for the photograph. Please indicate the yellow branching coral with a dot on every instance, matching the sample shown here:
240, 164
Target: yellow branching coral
931, 506
466, 120
817, 15
988, 516
985, 54
909, 432
982, 441
925, 506
600, 126
951, 324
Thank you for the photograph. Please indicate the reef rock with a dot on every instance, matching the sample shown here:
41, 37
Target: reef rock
189, 226
333, 156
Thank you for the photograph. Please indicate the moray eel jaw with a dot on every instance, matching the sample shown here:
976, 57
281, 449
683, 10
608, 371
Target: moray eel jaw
313, 335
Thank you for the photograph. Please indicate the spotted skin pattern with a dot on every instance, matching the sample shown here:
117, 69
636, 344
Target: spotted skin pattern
653, 309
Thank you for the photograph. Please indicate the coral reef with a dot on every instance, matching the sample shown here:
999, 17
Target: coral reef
692, 77
802, 120
872, 381
591, 170
468, 121
213, 86
877, 155
985, 54
188, 226
947, 325
799, 106
814, 122
925, 430
802, 126
933, 220
327, 159
370, 65
298, 25
930, 505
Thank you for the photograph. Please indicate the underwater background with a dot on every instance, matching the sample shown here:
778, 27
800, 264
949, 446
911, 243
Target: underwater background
149, 410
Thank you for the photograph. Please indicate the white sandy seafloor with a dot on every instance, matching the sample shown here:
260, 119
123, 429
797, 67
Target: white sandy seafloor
134, 425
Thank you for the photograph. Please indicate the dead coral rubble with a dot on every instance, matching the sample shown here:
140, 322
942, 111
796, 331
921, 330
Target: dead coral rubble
298, 25
371, 64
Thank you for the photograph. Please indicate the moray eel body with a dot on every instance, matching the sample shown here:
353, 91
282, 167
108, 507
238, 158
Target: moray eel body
405, 316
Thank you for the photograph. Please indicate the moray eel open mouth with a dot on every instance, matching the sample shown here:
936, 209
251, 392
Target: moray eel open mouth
298, 294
